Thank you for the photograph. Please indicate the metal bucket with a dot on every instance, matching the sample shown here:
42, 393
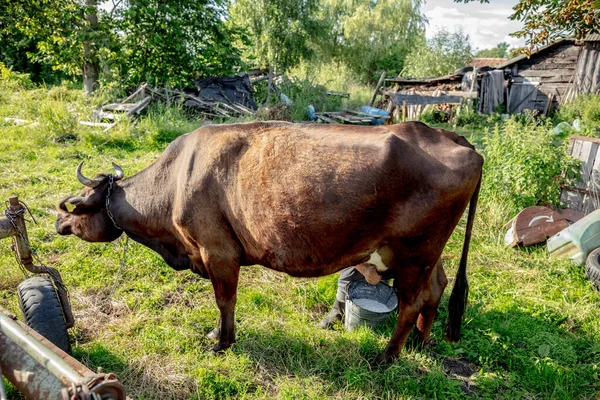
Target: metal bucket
368, 305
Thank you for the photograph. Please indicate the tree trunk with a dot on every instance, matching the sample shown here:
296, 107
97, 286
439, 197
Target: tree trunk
90, 58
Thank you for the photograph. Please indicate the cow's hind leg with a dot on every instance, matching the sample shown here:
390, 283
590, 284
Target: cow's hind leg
411, 278
432, 296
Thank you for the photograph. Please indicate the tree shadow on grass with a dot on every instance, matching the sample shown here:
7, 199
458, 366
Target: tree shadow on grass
501, 355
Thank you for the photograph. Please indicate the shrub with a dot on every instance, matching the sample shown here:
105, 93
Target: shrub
56, 119
526, 164
301, 92
14, 80
585, 108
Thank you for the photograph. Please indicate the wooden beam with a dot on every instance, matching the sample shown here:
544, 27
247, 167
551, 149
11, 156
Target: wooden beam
334, 93
547, 73
100, 124
379, 83
140, 89
412, 99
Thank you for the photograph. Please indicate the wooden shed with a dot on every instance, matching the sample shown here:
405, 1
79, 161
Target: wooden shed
553, 74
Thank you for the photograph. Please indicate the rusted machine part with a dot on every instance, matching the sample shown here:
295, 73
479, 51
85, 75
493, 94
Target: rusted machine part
40, 370
24, 253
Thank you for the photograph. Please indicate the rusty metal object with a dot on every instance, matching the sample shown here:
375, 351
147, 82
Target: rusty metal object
40, 370
15, 217
534, 225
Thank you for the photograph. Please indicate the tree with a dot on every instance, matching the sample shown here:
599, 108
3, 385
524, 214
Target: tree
165, 42
279, 32
54, 30
500, 51
371, 35
547, 20
442, 54
173, 42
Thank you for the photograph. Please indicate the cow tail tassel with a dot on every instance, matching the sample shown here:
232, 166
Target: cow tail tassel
460, 292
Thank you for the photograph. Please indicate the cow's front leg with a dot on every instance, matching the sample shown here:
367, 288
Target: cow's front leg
224, 274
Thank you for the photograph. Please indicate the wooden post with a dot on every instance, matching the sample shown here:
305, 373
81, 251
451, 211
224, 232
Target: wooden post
270, 84
23, 249
379, 83
470, 104
403, 110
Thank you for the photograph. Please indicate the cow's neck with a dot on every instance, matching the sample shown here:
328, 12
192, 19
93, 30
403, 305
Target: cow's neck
141, 206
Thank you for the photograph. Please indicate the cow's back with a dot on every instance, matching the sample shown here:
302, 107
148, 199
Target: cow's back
305, 197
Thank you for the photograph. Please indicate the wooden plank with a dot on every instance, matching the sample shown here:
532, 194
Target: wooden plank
586, 152
376, 92
412, 99
101, 124
140, 106
138, 91
326, 119
362, 114
592, 197
548, 73
556, 79
119, 107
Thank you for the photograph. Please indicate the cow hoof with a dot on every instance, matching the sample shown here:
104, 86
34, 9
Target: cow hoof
386, 358
220, 347
214, 334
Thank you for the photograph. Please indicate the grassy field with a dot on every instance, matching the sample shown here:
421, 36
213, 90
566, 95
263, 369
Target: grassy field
531, 330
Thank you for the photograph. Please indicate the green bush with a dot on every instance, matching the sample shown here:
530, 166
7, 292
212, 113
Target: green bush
471, 118
433, 117
11, 80
56, 120
525, 164
301, 92
585, 108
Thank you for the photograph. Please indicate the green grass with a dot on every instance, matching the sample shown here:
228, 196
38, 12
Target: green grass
532, 326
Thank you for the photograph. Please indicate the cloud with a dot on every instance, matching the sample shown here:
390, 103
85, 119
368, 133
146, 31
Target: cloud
486, 24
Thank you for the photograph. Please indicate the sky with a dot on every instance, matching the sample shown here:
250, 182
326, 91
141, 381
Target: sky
486, 24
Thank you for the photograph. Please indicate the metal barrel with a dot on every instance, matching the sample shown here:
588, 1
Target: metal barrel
40, 370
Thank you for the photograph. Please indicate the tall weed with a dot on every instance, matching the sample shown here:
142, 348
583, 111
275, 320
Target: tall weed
526, 164
301, 92
56, 120
11, 80
586, 108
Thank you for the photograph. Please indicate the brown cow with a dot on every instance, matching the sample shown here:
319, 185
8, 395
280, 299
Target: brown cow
307, 200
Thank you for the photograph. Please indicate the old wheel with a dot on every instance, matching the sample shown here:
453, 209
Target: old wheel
42, 310
592, 268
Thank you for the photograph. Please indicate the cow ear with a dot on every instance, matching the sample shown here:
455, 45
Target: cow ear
72, 202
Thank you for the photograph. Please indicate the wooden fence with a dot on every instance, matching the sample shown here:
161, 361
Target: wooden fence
584, 196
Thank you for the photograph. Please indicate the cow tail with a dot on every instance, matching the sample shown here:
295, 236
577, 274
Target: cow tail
460, 292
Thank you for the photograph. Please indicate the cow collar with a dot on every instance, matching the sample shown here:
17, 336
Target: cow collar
111, 180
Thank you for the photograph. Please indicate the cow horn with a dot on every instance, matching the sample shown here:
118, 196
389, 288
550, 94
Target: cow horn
86, 181
120, 174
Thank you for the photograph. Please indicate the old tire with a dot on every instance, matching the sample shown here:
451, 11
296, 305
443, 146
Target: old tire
42, 310
592, 268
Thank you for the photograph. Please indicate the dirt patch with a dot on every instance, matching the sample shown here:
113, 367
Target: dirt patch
93, 312
461, 369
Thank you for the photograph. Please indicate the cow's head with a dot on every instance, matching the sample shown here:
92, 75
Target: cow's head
85, 216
